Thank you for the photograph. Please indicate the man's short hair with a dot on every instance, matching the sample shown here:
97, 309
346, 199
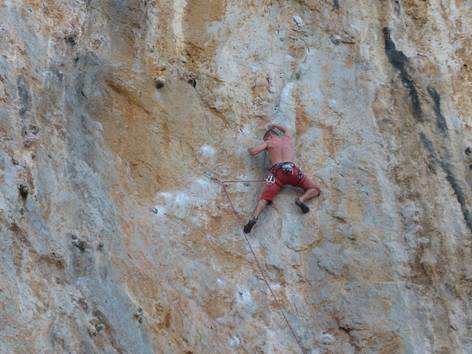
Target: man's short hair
270, 131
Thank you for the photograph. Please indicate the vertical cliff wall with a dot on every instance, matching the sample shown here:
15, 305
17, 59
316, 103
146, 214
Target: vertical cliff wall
113, 238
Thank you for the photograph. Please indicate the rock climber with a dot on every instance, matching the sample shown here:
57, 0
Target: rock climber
279, 144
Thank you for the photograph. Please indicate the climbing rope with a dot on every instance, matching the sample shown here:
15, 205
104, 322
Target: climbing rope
224, 184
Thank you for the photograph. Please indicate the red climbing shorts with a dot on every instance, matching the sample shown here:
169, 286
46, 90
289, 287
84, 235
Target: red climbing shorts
282, 174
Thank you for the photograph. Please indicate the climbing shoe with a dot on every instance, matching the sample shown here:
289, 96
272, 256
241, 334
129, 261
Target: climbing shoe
248, 227
302, 206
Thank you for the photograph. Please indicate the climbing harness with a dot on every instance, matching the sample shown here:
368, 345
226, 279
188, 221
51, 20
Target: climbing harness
287, 168
224, 184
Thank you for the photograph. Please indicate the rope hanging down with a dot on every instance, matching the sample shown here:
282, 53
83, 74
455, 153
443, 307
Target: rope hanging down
261, 271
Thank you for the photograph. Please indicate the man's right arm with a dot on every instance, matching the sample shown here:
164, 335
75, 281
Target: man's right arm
257, 149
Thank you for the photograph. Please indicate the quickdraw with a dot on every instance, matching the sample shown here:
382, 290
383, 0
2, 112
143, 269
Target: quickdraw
270, 179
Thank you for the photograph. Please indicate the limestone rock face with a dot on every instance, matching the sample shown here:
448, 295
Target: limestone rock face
118, 118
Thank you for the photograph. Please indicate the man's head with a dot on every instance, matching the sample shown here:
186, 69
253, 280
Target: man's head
270, 133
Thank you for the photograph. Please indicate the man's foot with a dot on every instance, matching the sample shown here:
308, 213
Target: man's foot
302, 206
248, 227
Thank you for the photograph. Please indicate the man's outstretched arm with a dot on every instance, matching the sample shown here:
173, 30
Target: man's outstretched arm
257, 149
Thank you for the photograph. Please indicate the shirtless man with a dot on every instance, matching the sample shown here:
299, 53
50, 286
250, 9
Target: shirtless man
281, 151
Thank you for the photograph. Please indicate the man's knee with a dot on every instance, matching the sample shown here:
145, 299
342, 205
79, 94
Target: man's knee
313, 191
270, 191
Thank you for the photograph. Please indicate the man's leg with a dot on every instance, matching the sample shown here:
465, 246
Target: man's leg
270, 191
259, 207
311, 191
309, 194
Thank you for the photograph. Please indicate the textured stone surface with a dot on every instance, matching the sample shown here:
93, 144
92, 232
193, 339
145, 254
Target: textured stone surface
114, 239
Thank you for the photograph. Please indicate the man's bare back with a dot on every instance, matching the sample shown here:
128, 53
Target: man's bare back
280, 149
